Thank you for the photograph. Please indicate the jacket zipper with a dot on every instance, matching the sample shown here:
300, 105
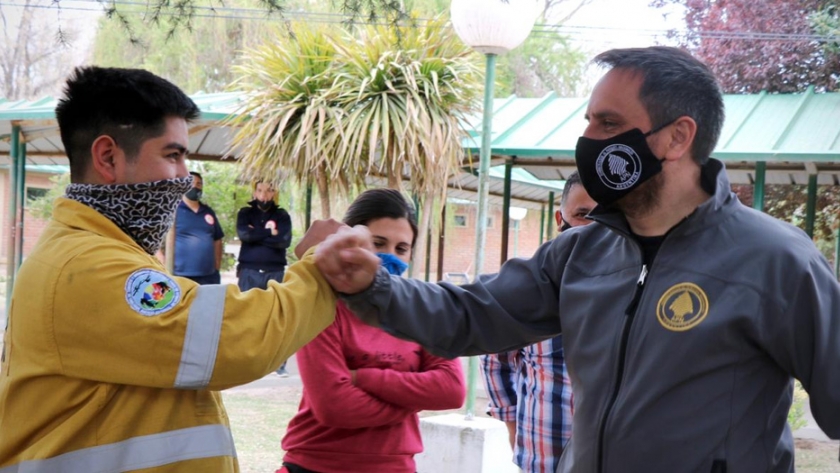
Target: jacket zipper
630, 314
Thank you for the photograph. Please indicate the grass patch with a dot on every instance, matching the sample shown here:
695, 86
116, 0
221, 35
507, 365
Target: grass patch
259, 417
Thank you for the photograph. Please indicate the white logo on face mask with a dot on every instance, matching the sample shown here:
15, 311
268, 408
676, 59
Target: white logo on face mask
623, 166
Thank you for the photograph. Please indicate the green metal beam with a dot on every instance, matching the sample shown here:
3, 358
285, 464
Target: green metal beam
549, 228
837, 254
11, 247
428, 253
542, 224
483, 204
811, 209
308, 218
506, 210
21, 202
758, 185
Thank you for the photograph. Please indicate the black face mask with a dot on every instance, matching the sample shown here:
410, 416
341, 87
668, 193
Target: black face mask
565, 225
612, 168
193, 194
264, 204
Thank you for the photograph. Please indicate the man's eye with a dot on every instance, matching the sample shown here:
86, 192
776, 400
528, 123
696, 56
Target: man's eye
378, 244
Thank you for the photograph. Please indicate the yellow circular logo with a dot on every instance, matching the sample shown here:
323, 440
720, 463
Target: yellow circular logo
682, 307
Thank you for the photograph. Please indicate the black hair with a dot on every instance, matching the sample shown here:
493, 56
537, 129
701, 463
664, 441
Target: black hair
374, 204
675, 84
571, 181
197, 174
129, 105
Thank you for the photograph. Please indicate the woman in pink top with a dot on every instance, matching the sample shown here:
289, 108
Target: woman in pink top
363, 388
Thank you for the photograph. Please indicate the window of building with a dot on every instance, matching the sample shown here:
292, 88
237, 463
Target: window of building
460, 220
33, 193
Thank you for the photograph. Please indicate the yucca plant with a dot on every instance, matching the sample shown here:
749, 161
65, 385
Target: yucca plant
341, 106
286, 126
403, 94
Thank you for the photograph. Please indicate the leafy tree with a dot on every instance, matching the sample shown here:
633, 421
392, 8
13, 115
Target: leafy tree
198, 59
789, 202
770, 47
32, 64
42, 207
826, 22
547, 61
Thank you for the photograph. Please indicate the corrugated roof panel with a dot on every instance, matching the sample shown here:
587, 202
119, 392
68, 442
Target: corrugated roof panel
816, 128
765, 125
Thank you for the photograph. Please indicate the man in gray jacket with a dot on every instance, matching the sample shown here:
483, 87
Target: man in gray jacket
685, 315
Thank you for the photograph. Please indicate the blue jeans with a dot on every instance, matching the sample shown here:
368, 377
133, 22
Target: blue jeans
214, 278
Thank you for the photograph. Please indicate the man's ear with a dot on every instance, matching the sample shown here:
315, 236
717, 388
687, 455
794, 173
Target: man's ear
681, 137
104, 156
558, 218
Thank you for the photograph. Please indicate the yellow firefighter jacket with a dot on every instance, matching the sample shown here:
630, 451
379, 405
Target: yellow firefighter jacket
112, 365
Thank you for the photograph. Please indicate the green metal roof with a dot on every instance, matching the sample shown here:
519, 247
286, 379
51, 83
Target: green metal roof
795, 134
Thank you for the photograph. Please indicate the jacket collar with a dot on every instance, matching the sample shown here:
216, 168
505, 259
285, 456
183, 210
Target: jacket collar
78, 215
713, 179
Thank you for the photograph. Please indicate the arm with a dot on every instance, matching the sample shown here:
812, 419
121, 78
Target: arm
517, 307
217, 253
500, 371
282, 237
245, 231
218, 240
804, 338
335, 401
438, 385
205, 337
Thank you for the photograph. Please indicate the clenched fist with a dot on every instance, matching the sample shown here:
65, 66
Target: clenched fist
347, 260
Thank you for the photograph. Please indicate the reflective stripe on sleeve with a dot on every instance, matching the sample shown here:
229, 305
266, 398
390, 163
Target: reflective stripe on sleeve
201, 342
147, 451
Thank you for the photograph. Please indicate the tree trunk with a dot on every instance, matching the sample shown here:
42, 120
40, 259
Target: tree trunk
422, 234
323, 193
395, 179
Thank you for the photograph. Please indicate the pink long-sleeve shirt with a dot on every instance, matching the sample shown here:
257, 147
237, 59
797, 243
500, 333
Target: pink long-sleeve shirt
371, 425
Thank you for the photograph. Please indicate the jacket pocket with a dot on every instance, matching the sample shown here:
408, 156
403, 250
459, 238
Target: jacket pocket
719, 466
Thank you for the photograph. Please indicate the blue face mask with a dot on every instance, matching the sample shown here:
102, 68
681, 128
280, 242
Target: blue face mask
393, 264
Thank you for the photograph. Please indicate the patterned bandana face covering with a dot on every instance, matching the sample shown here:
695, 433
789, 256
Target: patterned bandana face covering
144, 211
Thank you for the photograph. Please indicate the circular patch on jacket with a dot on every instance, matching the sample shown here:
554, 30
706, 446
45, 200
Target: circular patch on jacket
682, 307
150, 292
618, 166
209, 219
270, 225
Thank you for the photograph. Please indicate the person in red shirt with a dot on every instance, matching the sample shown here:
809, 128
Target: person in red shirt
362, 387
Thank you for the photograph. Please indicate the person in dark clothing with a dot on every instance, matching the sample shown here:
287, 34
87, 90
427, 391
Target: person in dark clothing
266, 232
198, 237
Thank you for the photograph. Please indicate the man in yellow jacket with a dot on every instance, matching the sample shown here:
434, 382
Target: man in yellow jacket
109, 363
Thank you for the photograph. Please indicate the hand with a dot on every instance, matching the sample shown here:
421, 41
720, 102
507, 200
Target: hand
319, 231
274, 232
511, 427
347, 260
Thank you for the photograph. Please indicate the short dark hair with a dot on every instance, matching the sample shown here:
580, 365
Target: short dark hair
571, 181
196, 174
374, 204
129, 105
675, 84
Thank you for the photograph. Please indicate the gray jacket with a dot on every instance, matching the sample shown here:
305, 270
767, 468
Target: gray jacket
686, 369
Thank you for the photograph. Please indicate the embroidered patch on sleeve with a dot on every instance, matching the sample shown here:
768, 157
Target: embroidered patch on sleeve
150, 292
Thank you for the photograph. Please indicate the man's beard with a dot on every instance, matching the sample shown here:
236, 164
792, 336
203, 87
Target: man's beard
643, 200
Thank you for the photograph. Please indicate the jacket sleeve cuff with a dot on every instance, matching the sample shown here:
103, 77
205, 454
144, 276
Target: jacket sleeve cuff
370, 304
